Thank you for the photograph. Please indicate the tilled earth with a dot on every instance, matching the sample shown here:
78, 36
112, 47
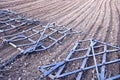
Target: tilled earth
98, 19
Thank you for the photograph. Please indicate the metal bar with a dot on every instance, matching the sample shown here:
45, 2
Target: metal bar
71, 52
84, 62
24, 23
21, 50
11, 19
107, 44
36, 44
102, 77
25, 44
87, 68
21, 32
52, 69
114, 77
88, 48
108, 52
95, 61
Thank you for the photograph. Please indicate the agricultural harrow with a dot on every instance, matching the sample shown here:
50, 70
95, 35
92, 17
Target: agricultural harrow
35, 39
78, 62
86, 57
11, 23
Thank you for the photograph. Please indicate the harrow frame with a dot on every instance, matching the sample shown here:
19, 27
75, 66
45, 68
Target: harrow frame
8, 16
54, 71
34, 45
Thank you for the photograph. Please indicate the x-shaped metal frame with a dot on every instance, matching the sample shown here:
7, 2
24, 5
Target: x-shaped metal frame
59, 70
38, 38
34, 38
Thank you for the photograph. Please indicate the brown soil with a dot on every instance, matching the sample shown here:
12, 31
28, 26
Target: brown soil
98, 19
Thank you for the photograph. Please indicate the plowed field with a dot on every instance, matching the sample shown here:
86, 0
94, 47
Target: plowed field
97, 19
